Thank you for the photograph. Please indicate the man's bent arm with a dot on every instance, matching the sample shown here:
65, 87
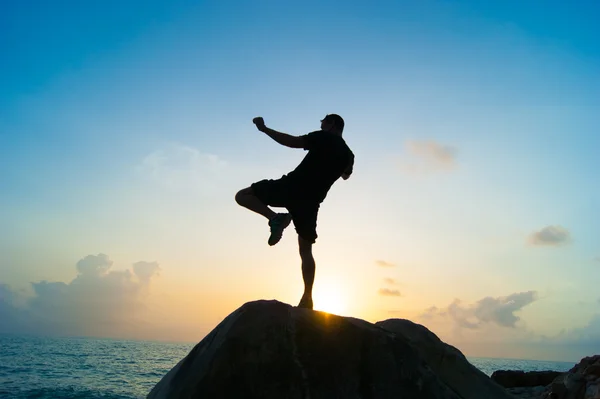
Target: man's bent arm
349, 168
284, 138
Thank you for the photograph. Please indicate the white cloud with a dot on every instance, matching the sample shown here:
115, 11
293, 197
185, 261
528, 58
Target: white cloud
428, 156
550, 236
499, 311
502, 310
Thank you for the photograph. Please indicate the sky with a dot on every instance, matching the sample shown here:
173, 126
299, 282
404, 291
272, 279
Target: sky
126, 130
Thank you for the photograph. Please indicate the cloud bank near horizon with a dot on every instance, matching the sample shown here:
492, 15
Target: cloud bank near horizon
97, 302
494, 321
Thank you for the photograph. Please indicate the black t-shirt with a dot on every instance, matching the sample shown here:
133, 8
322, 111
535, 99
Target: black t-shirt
328, 158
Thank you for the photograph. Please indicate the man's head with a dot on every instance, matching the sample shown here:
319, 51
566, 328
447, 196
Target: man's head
332, 123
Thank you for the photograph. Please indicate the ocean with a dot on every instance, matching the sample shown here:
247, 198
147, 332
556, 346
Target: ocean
86, 368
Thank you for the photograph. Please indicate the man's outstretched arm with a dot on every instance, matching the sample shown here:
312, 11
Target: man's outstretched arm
282, 138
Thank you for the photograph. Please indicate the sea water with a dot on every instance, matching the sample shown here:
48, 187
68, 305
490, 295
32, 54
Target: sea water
86, 368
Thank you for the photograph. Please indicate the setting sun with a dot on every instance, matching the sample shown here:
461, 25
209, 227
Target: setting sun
330, 298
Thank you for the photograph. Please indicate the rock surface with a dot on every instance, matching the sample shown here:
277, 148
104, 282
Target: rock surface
267, 349
447, 362
518, 378
581, 382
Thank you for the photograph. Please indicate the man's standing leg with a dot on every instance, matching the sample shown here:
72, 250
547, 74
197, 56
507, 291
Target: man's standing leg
305, 220
308, 272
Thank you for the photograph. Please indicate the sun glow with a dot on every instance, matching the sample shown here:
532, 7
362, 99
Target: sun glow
330, 298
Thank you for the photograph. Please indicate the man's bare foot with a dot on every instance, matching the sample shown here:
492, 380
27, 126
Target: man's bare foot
306, 303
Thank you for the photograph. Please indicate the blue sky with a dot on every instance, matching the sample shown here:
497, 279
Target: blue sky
125, 131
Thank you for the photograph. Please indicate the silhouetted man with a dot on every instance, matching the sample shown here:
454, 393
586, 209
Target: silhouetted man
302, 190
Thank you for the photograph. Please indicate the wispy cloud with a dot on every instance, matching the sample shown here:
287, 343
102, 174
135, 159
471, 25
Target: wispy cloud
597, 258
550, 236
390, 281
389, 292
179, 166
588, 335
383, 263
500, 311
428, 156
432, 312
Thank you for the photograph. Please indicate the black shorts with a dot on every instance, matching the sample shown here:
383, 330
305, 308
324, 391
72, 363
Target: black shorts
279, 193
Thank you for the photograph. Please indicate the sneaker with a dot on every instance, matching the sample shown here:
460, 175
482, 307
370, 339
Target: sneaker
278, 223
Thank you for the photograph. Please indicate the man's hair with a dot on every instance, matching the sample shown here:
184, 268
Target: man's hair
337, 120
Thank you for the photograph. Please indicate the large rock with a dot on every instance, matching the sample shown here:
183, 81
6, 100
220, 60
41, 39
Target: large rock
447, 362
267, 349
518, 378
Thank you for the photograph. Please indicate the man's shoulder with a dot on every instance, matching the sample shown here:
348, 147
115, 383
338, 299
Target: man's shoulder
310, 134
320, 138
312, 139
343, 143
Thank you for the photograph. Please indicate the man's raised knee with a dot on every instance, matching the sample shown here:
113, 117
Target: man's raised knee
242, 194
239, 197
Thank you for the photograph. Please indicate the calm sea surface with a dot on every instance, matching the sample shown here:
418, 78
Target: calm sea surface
44, 368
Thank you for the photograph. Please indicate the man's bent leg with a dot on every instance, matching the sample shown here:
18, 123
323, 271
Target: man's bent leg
247, 199
277, 221
308, 272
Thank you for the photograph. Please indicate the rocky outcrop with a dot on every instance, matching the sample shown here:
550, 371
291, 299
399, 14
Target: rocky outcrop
447, 362
267, 349
581, 382
518, 378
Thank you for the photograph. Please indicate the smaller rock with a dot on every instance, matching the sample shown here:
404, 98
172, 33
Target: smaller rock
517, 378
558, 390
581, 382
585, 363
574, 382
593, 370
